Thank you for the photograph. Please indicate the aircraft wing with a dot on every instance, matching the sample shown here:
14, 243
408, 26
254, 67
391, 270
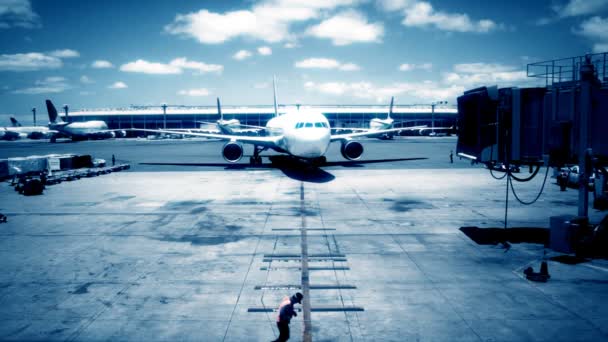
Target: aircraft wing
266, 141
240, 125
368, 133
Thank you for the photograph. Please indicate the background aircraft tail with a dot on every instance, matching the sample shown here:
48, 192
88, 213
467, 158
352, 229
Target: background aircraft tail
53, 116
15, 122
390, 109
219, 109
274, 88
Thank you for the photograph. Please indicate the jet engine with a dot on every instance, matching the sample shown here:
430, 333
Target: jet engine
351, 150
232, 152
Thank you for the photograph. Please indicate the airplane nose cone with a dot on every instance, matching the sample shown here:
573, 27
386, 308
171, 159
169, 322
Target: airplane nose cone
312, 144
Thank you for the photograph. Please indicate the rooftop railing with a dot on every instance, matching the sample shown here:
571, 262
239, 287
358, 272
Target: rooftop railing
568, 69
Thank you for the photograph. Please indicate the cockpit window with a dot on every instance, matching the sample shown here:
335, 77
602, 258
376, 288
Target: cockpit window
308, 124
299, 125
318, 124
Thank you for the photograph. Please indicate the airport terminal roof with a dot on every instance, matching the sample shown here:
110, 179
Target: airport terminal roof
207, 110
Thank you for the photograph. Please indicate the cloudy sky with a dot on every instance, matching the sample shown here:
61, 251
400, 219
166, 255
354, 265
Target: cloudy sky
112, 53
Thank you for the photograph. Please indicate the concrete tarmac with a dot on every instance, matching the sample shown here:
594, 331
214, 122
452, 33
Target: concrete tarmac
168, 253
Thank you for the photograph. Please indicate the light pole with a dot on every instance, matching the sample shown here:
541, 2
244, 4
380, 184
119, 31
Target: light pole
66, 108
164, 105
433, 104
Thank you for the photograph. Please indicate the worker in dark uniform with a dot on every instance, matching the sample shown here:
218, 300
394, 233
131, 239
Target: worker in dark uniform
113, 160
451, 157
286, 311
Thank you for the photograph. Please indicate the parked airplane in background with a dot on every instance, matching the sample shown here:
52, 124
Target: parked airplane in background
303, 134
17, 131
31, 132
77, 130
377, 124
232, 126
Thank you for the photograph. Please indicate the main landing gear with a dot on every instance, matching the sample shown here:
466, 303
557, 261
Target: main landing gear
256, 159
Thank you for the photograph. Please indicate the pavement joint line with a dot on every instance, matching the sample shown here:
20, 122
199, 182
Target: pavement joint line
309, 229
311, 260
310, 268
311, 287
253, 257
429, 279
314, 309
89, 320
328, 255
306, 321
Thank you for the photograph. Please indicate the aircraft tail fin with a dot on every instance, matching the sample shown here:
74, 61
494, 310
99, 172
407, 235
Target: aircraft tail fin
219, 109
390, 108
274, 88
15, 123
53, 116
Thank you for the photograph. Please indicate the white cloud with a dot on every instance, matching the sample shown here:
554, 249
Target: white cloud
86, 79
200, 67
393, 5
347, 28
174, 67
268, 21
422, 14
290, 45
486, 68
600, 47
596, 29
580, 7
143, 66
54, 84
425, 91
194, 92
241, 55
265, 50
118, 85
326, 63
29, 62
18, 13
65, 53
101, 64
451, 85
471, 75
410, 67
349, 67
319, 63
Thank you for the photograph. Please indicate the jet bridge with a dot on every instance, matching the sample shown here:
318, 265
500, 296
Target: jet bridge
563, 123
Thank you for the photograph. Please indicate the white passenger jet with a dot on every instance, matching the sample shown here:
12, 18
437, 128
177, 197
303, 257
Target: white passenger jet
231, 126
377, 124
77, 130
304, 134
18, 131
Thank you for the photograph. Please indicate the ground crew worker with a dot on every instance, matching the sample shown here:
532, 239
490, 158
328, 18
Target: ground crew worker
113, 160
286, 311
451, 157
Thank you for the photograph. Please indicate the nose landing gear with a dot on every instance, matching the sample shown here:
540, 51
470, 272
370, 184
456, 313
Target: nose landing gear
256, 159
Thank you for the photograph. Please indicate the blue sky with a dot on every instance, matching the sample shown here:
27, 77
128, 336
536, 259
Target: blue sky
99, 54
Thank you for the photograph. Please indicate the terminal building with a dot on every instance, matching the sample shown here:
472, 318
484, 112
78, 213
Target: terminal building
176, 116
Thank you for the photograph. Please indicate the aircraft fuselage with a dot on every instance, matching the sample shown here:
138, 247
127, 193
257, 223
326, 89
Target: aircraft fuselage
306, 134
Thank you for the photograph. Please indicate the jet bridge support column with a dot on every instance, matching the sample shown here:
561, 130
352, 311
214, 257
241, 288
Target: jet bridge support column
584, 152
